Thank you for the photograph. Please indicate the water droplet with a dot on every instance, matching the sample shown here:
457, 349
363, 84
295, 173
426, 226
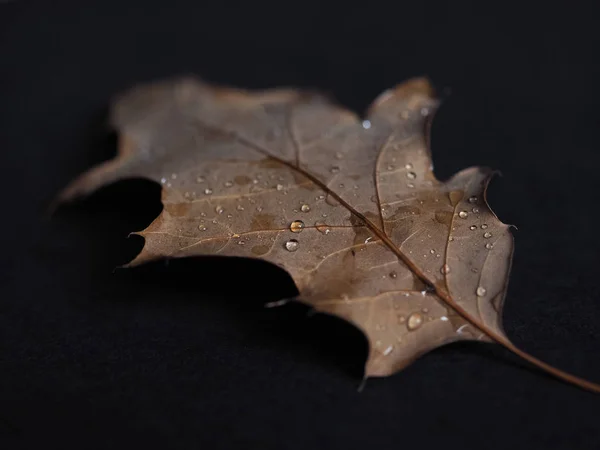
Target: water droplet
476, 210
259, 208
291, 245
393, 274
366, 124
341, 185
489, 245
163, 180
296, 226
473, 199
239, 207
450, 239
484, 226
411, 175
408, 166
331, 200
369, 239
425, 310
279, 187
200, 179
445, 269
415, 320
410, 185
432, 251
390, 167
228, 184
334, 169
255, 181
229, 216
481, 291
235, 235
474, 270
208, 191
487, 235
241, 243
388, 350
202, 228
444, 319
322, 228
463, 214
424, 111
472, 227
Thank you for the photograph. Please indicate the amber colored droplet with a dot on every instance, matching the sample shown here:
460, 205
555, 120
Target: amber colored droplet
415, 320
322, 228
296, 226
455, 197
292, 245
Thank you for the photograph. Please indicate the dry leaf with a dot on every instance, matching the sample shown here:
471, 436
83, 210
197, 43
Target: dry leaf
349, 208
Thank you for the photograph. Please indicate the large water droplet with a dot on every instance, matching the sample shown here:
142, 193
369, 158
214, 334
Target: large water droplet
481, 291
163, 180
472, 227
463, 214
366, 124
415, 320
296, 226
331, 200
305, 208
291, 245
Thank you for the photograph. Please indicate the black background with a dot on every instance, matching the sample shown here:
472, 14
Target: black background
166, 355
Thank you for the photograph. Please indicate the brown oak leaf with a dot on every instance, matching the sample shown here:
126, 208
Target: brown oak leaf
349, 207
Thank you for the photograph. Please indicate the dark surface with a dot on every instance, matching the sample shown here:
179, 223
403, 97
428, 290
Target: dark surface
168, 356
